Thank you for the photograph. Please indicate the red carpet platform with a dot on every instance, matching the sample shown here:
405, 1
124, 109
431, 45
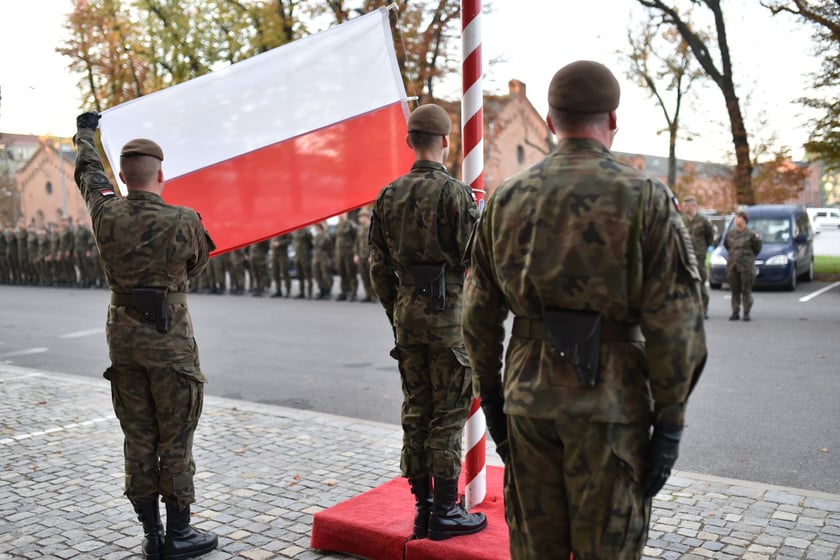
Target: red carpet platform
377, 525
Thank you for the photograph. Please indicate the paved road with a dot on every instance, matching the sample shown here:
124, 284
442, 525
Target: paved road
766, 408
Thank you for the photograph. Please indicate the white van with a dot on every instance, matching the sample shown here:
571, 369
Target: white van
824, 218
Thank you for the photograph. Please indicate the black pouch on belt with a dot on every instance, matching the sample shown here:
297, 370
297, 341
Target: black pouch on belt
430, 280
576, 335
154, 304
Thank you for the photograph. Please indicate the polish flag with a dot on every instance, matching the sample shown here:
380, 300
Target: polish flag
281, 140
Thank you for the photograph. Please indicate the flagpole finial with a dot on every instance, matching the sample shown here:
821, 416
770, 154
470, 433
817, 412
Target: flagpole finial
392, 7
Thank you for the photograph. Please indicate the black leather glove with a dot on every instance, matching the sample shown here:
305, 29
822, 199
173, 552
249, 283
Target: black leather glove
493, 406
88, 120
662, 453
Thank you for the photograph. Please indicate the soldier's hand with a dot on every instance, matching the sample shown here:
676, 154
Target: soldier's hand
88, 120
662, 453
493, 407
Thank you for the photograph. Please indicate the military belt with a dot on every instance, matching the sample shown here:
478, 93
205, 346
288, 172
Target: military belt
127, 300
611, 331
452, 277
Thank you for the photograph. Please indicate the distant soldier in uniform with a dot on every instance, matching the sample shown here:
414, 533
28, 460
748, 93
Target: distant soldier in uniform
345, 240
702, 234
34, 239
419, 230
219, 266
68, 268
592, 257
5, 272
237, 272
85, 250
150, 249
22, 237
302, 239
280, 265
12, 255
362, 253
259, 267
322, 260
743, 245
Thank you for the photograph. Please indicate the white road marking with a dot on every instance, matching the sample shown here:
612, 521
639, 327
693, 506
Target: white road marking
18, 437
80, 334
24, 352
812, 295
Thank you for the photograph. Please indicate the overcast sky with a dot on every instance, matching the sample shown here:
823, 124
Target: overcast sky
771, 57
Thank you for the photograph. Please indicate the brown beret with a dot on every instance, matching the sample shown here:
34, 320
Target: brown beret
743, 214
430, 118
141, 147
584, 87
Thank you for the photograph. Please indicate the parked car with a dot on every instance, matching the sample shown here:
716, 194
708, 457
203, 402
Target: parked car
822, 218
787, 251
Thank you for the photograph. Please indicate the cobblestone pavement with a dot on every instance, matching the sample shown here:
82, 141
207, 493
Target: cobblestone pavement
263, 471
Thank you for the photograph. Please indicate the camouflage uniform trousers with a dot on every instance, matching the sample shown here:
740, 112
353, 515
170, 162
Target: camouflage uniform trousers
364, 273
704, 291
280, 270
158, 404
741, 283
303, 266
437, 392
574, 487
346, 269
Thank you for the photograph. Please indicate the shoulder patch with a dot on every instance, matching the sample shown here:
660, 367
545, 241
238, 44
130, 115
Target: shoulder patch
107, 192
676, 203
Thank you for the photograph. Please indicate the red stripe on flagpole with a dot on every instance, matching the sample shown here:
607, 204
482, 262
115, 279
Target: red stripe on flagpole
273, 189
472, 117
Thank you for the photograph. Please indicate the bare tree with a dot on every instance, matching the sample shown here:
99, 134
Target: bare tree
661, 62
722, 74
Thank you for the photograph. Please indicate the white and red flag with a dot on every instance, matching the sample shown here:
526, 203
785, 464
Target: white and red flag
281, 140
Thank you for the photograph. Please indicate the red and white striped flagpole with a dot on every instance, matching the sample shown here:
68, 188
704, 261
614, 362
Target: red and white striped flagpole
472, 135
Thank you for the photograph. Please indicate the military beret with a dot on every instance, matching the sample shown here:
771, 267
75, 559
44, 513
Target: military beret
430, 118
141, 147
743, 214
584, 87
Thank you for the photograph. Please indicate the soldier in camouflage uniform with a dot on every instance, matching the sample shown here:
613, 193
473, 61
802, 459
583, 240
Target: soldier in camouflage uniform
345, 239
259, 267
280, 265
237, 272
85, 249
702, 234
302, 239
742, 244
150, 250
5, 272
418, 235
362, 253
68, 268
322, 260
22, 238
592, 257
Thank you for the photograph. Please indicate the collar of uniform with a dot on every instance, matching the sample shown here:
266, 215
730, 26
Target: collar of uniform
582, 145
427, 164
144, 195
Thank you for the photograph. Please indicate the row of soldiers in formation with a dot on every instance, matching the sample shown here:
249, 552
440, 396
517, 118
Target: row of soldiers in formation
319, 254
55, 255
66, 255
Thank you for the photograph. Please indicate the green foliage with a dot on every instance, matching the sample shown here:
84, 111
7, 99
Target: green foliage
826, 266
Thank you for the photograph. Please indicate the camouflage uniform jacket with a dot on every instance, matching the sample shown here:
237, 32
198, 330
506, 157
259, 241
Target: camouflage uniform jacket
423, 217
581, 230
702, 234
143, 242
345, 238
363, 242
743, 246
302, 239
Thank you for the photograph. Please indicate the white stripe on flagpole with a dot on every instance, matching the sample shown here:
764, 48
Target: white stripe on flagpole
473, 163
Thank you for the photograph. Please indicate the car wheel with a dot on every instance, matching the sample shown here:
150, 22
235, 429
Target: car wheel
714, 285
791, 285
809, 275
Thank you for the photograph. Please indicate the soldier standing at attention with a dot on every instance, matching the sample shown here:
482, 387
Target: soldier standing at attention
702, 234
345, 240
592, 257
150, 250
419, 230
362, 253
280, 265
302, 239
743, 244
322, 260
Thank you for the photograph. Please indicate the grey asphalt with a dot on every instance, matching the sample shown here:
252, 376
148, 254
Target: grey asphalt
265, 470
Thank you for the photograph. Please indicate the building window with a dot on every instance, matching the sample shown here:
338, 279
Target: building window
49, 187
520, 154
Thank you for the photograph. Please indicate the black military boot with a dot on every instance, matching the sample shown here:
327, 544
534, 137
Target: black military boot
149, 515
735, 316
746, 314
448, 518
182, 541
421, 487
